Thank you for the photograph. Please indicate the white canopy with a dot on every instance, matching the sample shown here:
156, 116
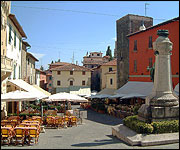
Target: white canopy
27, 87
65, 97
143, 88
18, 96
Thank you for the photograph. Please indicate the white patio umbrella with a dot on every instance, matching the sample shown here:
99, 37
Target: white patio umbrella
65, 97
19, 96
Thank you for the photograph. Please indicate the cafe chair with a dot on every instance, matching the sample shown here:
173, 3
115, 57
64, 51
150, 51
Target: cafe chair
33, 134
73, 120
5, 136
19, 136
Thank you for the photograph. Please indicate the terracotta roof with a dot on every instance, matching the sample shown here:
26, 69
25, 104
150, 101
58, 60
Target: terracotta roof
60, 63
95, 53
17, 25
151, 27
111, 63
71, 67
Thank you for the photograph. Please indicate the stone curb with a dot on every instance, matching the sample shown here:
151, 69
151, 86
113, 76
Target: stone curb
131, 137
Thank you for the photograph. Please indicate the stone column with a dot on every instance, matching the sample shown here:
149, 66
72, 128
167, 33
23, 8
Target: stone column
161, 104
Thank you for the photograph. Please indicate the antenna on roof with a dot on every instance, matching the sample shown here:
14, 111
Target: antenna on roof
73, 58
146, 7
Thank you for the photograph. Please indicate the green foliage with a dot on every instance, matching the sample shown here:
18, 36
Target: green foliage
154, 128
135, 109
140, 127
166, 126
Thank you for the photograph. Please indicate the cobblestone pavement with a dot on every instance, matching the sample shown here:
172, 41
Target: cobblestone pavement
94, 133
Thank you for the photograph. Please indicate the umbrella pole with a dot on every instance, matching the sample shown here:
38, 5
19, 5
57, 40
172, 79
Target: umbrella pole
17, 108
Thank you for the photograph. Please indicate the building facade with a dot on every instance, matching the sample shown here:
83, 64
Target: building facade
31, 72
139, 69
71, 79
124, 26
94, 59
104, 76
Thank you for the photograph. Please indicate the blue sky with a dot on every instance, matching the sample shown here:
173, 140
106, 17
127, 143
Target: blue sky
57, 29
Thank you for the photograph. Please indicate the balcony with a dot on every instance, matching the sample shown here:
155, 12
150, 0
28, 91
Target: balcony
6, 67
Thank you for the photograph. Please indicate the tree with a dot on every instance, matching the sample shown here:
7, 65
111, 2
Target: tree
109, 53
41, 68
58, 60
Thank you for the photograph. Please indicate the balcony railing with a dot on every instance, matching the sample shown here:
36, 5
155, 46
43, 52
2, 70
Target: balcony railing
6, 64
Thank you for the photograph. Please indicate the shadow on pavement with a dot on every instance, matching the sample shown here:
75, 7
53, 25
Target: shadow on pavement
103, 118
113, 140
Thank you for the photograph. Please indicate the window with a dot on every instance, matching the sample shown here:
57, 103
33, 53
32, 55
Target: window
31, 65
92, 54
58, 82
50, 77
49, 84
19, 72
135, 45
83, 82
111, 81
10, 29
150, 62
110, 69
83, 73
98, 54
58, 72
71, 83
150, 42
28, 61
19, 43
14, 38
135, 66
14, 77
71, 72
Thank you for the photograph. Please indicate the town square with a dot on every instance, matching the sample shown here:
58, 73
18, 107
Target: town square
89, 75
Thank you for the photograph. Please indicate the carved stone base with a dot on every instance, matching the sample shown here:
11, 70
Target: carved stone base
165, 113
150, 114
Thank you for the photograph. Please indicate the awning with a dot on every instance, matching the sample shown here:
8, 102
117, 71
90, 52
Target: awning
107, 91
143, 88
117, 96
42, 90
27, 87
133, 95
100, 96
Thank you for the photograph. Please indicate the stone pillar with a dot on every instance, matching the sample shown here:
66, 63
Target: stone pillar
161, 104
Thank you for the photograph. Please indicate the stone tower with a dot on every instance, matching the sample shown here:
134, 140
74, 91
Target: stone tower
124, 26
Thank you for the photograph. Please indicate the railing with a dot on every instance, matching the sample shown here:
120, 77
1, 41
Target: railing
6, 63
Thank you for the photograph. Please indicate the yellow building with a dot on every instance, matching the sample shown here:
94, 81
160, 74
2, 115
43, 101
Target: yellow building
72, 79
108, 75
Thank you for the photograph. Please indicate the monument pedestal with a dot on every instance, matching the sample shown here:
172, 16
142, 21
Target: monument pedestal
162, 104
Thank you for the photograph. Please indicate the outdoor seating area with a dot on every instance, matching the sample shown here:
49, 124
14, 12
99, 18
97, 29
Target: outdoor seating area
61, 121
116, 107
15, 131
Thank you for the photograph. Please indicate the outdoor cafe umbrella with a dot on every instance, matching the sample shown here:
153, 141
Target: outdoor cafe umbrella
19, 96
65, 97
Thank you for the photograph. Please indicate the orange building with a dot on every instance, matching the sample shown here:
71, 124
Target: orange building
141, 53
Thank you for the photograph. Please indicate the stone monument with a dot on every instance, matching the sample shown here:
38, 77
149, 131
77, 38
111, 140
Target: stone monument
162, 104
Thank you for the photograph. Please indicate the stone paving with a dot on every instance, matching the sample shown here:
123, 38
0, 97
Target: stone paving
94, 133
